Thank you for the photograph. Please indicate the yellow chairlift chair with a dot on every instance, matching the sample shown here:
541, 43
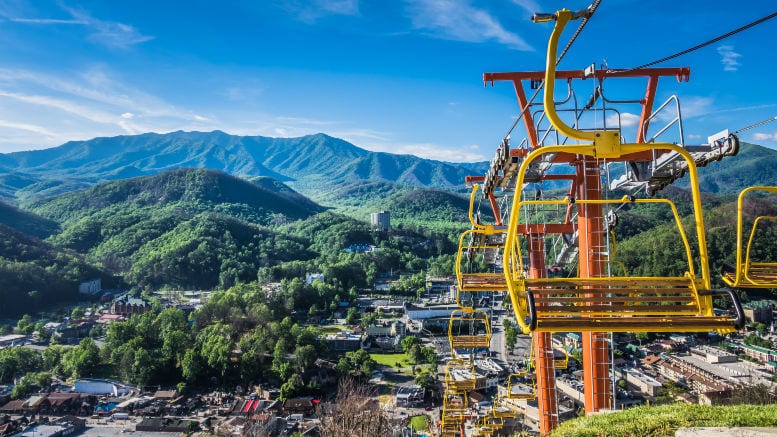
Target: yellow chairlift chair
608, 304
748, 273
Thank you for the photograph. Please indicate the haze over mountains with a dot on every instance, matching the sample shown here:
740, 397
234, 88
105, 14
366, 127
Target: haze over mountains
313, 165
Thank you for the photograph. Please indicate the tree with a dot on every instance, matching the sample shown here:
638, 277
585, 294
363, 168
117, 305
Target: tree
25, 325
77, 313
416, 353
408, 342
81, 360
306, 356
426, 380
292, 387
353, 413
351, 316
511, 334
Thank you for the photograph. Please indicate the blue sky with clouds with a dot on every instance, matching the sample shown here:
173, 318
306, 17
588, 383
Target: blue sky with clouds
398, 76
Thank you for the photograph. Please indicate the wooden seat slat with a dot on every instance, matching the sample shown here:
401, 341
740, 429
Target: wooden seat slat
615, 299
613, 310
636, 323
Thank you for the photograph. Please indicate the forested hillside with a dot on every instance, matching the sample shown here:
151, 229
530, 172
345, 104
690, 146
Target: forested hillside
26, 222
34, 274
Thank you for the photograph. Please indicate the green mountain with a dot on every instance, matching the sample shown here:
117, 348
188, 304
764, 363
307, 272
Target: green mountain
429, 206
37, 275
751, 166
26, 222
313, 164
188, 228
194, 190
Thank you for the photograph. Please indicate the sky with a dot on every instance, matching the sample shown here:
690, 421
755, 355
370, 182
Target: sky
401, 76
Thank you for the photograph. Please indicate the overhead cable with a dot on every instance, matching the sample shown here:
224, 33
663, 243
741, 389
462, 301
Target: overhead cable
706, 43
760, 123
586, 17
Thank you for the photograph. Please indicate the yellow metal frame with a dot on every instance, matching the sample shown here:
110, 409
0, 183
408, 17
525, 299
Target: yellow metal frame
603, 144
744, 276
454, 409
478, 341
518, 283
523, 374
456, 385
478, 282
504, 412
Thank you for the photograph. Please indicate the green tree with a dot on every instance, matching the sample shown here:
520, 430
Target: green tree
292, 387
409, 341
511, 334
306, 356
352, 316
77, 313
25, 325
81, 360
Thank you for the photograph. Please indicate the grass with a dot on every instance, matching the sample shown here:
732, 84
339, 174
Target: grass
391, 360
331, 329
664, 420
419, 423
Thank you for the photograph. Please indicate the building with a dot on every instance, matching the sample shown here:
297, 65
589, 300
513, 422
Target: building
415, 312
99, 387
387, 329
90, 287
644, 383
761, 354
344, 342
714, 355
60, 428
12, 340
381, 220
311, 277
409, 395
302, 405
758, 311
127, 305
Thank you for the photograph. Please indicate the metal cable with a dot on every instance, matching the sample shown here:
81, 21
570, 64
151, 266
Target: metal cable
706, 43
760, 123
591, 9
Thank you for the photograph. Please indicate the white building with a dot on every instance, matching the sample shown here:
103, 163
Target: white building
381, 219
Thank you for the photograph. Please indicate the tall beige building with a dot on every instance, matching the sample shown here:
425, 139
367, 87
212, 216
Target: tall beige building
381, 219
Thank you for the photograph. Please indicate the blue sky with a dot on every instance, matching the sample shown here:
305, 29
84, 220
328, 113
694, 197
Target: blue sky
397, 76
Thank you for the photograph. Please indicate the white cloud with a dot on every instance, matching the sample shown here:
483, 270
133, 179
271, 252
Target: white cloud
626, 119
436, 152
530, 6
728, 57
26, 127
47, 21
62, 105
457, 20
81, 106
108, 33
696, 106
694, 136
765, 137
311, 11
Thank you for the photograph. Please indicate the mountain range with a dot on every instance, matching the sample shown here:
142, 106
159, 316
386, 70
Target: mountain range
313, 165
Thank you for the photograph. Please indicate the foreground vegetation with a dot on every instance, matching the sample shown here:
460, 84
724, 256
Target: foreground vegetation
664, 420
